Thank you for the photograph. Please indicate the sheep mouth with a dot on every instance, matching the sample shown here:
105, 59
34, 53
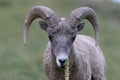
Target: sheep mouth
61, 66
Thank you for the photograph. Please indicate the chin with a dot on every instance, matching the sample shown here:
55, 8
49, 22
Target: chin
61, 66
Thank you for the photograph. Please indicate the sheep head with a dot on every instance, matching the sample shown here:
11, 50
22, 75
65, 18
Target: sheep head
61, 32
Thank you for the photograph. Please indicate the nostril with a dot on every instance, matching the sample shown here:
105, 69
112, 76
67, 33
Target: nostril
62, 61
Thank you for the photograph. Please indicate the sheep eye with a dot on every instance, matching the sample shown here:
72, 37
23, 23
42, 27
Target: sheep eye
50, 37
73, 38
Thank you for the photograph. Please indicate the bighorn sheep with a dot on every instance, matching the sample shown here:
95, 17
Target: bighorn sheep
86, 60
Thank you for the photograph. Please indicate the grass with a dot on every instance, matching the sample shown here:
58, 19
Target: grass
25, 63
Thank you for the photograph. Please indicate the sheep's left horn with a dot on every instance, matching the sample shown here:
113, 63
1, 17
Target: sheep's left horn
45, 13
79, 14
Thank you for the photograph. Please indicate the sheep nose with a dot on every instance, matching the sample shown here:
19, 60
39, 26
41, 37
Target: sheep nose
62, 61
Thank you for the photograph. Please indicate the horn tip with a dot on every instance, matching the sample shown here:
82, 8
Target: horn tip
24, 38
24, 42
96, 44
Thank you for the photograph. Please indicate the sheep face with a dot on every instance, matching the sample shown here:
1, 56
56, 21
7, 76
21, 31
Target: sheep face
61, 37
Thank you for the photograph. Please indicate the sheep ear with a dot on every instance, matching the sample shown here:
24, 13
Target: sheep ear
80, 26
43, 25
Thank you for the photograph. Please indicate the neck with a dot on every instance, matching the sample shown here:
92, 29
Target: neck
72, 56
55, 70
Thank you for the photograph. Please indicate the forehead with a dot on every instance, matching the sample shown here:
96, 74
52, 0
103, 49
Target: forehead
63, 27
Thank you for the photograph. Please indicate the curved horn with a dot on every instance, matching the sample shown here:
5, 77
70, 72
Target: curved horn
42, 12
79, 14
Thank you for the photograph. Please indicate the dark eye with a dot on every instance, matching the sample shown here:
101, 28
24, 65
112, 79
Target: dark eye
50, 38
73, 37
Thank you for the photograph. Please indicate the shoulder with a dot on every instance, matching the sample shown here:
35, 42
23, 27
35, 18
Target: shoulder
83, 39
83, 42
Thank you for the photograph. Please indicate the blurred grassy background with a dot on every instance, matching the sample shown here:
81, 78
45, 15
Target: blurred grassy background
25, 63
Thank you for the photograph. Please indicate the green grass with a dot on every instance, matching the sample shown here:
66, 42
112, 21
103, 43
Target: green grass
25, 63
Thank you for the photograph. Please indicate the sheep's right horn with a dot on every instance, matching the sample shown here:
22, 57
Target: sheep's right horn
45, 13
79, 14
